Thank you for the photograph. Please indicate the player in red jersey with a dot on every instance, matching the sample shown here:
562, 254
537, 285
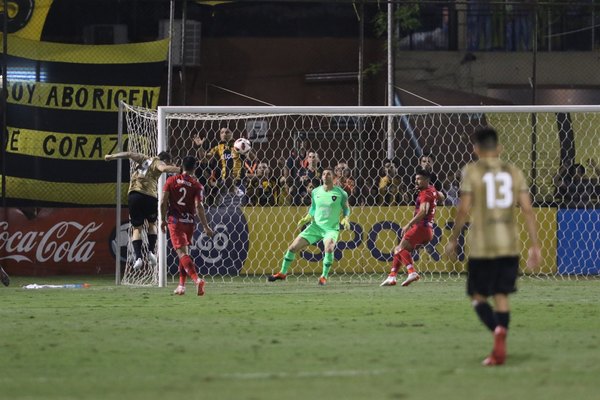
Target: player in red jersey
418, 231
181, 202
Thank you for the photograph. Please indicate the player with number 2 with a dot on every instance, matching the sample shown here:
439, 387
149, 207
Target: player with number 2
180, 203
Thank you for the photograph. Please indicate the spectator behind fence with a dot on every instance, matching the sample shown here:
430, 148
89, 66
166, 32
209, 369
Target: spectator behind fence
348, 183
262, 189
579, 191
391, 190
281, 164
452, 189
368, 191
250, 165
305, 175
207, 178
305, 197
223, 157
426, 162
285, 188
573, 189
297, 157
312, 169
338, 172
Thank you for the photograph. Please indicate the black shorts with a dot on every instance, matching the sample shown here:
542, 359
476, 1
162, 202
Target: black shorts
142, 208
490, 276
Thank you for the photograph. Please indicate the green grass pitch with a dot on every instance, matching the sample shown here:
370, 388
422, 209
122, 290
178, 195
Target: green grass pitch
294, 340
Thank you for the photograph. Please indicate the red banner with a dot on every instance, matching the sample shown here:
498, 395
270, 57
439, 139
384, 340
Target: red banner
55, 241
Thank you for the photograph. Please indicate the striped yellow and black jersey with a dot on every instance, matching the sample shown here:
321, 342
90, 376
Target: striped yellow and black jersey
230, 162
495, 187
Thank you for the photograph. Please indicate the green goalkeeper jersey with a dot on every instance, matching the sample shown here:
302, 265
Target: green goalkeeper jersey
327, 206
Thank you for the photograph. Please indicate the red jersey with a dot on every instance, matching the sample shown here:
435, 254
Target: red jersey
184, 190
427, 195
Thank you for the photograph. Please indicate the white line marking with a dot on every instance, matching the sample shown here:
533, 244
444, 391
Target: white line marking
292, 375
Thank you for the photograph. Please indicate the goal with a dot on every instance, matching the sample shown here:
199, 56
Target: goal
374, 152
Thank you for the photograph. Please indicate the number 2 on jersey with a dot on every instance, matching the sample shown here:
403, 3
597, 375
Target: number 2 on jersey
499, 189
183, 192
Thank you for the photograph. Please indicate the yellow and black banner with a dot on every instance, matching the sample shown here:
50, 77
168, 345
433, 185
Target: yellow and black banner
26, 18
62, 116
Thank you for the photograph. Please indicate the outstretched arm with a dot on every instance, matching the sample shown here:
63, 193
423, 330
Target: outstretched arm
137, 157
170, 169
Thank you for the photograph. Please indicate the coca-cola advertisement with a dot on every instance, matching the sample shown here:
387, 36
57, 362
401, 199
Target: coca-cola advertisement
57, 241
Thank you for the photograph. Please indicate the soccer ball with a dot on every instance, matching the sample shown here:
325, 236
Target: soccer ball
242, 145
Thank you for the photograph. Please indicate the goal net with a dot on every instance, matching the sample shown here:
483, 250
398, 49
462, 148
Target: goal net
142, 137
374, 153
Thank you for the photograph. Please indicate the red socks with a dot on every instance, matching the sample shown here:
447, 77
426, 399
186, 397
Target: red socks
406, 258
189, 267
403, 257
182, 274
396, 262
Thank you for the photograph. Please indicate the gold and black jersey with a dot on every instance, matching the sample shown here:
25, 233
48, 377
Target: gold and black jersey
144, 178
495, 187
229, 161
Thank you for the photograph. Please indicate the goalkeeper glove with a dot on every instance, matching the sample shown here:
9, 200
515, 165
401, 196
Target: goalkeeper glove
305, 220
346, 223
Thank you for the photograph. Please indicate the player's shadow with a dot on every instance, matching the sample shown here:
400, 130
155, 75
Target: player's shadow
517, 359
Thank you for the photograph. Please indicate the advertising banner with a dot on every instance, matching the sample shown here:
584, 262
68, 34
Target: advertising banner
249, 240
576, 229
58, 241
366, 248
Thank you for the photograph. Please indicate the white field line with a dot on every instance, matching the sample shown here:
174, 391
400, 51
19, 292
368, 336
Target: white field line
293, 375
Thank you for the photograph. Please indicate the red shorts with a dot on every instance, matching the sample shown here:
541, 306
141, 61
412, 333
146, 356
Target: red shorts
181, 234
418, 235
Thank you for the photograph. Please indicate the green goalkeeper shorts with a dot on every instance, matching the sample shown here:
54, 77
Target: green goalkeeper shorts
313, 233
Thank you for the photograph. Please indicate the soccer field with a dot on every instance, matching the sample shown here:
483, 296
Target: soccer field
294, 340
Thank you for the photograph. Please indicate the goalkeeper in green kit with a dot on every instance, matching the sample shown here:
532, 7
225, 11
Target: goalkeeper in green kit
328, 203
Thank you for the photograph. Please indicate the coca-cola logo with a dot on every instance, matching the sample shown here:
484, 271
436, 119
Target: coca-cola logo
65, 241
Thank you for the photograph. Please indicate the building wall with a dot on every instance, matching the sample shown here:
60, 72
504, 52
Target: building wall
453, 70
273, 70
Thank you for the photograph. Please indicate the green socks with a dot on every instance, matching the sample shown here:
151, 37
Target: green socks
289, 257
327, 261
287, 261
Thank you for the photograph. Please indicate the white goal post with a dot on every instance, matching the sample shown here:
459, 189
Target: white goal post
375, 151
